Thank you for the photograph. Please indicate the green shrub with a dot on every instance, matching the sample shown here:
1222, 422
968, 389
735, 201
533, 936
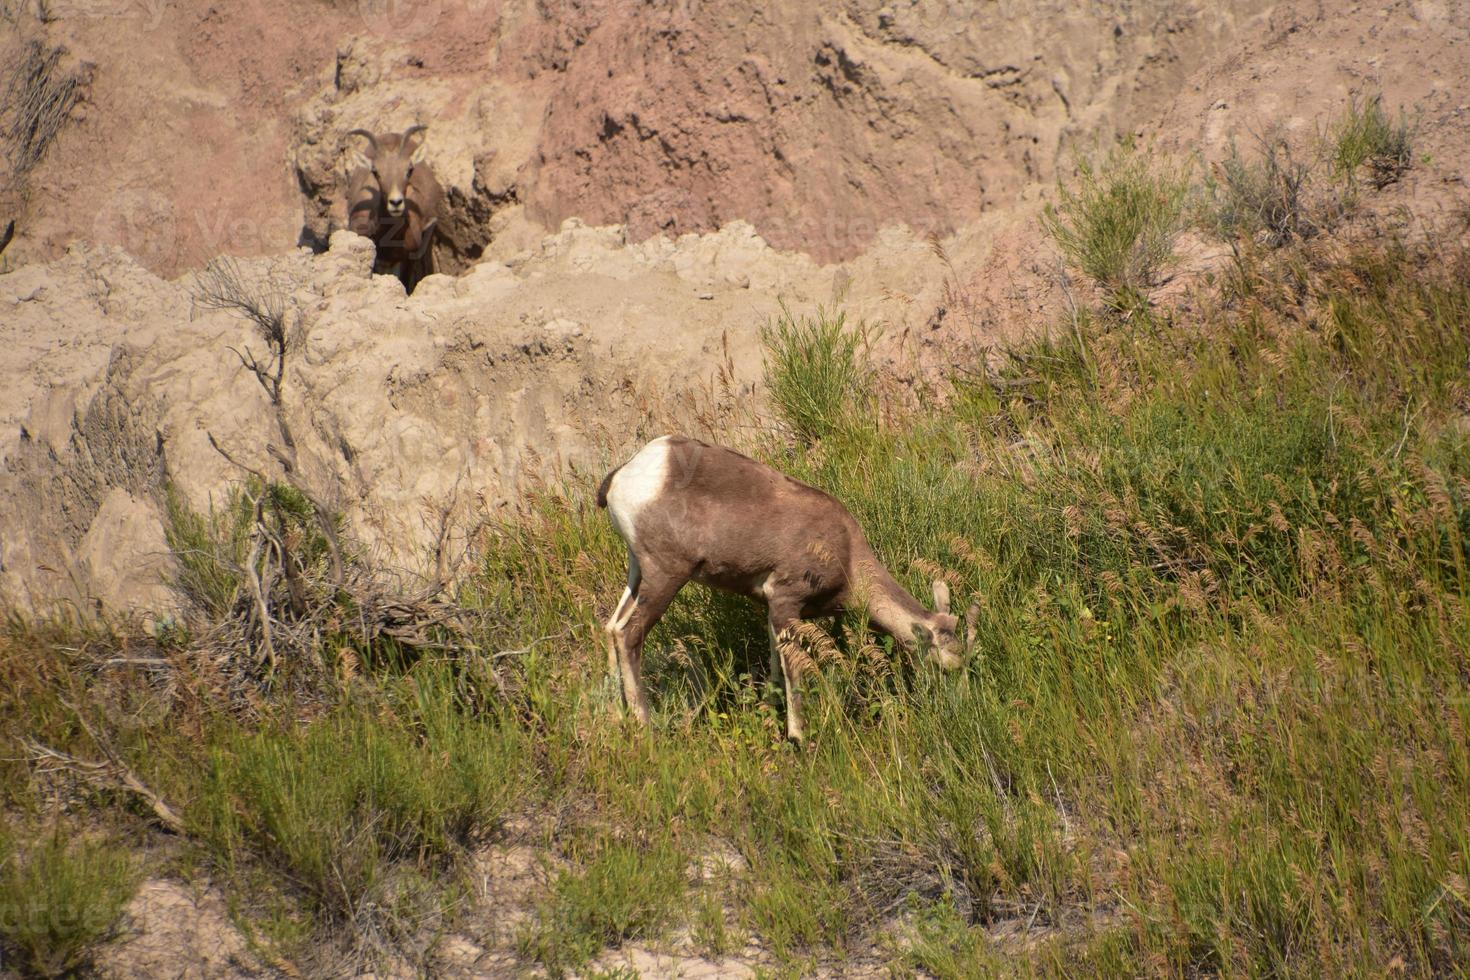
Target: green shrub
1117, 223
1365, 135
60, 897
817, 372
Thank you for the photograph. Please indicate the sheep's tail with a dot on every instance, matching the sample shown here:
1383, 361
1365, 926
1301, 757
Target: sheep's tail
602, 488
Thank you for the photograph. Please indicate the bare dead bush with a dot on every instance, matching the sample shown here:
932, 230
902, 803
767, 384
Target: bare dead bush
271, 570
39, 98
282, 613
222, 286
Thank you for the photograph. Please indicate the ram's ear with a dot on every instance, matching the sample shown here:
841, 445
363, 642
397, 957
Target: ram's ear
420, 151
358, 160
941, 595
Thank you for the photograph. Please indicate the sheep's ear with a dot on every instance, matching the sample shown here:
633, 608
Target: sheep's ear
419, 152
359, 160
941, 595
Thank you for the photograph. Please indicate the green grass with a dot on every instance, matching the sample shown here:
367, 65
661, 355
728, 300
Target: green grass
1117, 222
616, 891
211, 548
340, 805
944, 945
60, 896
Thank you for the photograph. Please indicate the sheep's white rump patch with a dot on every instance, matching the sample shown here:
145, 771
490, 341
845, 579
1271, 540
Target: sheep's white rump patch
640, 481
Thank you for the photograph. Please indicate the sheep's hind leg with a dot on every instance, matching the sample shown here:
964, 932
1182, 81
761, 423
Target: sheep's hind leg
654, 596
619, 617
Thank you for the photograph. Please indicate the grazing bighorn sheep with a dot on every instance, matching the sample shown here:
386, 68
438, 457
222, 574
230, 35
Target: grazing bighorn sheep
688, 510
393, 198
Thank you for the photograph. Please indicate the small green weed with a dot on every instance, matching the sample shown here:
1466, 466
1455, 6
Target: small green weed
945, 946
618, 890
1365, 135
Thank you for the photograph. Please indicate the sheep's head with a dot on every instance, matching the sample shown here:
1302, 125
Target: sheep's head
940, 637
391, 161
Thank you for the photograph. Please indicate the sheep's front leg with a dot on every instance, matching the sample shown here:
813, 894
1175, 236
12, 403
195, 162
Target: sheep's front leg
784, 665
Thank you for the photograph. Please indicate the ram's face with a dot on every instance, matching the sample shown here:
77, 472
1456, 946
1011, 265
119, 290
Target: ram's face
393, 173
392, 167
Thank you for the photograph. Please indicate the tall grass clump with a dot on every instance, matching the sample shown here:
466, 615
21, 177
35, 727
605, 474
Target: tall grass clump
60, 897
1117, 222
211, 548
1365, 135
817, 372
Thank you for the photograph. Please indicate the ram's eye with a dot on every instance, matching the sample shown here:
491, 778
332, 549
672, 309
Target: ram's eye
410, 171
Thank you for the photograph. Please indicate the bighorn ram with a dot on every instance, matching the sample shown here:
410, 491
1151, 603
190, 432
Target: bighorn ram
393, 198
690, 510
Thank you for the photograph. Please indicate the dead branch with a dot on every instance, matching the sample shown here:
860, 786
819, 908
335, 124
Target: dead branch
112, 773
257, 590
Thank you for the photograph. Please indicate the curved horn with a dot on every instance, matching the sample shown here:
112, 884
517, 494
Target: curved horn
372, 140
408, 133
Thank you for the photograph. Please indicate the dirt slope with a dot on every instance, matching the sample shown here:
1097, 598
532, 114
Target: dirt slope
400, 406
1286, 74
818, 124
214, 130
